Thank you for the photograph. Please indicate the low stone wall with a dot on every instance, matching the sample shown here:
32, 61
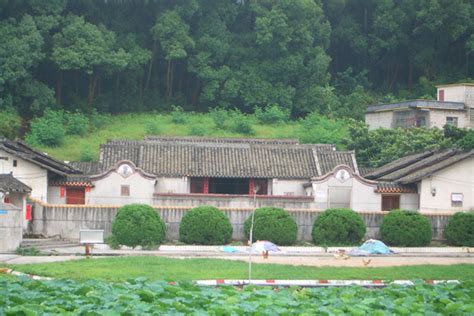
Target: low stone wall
67, 220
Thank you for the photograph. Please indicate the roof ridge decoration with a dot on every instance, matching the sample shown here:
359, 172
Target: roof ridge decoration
124, 172
352, 174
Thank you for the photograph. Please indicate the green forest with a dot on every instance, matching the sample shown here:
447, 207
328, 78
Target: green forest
295, 58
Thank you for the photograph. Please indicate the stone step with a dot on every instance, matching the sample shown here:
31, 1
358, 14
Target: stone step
47, 243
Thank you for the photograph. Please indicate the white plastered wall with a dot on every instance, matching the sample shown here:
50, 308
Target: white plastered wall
288, 187
458, 178
108, 190
179, 185
30, 174
438, 118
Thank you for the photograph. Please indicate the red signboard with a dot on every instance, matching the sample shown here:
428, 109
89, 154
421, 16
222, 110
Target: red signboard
62, 192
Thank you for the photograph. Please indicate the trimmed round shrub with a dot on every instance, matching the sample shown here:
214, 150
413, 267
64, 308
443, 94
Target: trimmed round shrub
460, 229
405, 229
272, 224
338, 227
205, 225
138, 225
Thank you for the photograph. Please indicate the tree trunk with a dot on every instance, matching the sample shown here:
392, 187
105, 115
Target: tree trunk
92, 85
168, 71
59, 86
150, 67
171, 80
196, 92
410, 75
395, 75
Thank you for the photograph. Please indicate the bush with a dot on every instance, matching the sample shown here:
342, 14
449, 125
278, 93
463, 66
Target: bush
47, 130
177, 115
9, 124
205, 225
197, 130
219, 116
99, 120
86, 154
76, 123
138, 224
460, 229
241, 124
405, 229
152, 128
273, 224
272, 114
338, 227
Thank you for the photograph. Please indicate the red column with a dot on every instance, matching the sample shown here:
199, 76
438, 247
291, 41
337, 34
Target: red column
251, 186
206, 186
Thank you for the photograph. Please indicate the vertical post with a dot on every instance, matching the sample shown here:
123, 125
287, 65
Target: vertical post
251, 230
206, 185
251, 186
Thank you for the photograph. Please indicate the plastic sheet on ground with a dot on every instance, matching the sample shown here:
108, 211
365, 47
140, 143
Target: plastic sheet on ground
263, 245
229, 249
370, 247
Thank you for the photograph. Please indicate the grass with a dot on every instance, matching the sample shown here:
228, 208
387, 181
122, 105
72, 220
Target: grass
134, 127
160, 268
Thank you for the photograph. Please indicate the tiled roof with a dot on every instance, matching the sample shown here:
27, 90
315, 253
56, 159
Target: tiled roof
20, 149
73, 181
429, 169
397, 164
365, 170
8, 183
213, 157
328, 160
392, 187
413, 168
92, 167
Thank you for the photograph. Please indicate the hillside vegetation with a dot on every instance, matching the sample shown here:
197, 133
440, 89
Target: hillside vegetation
137, 125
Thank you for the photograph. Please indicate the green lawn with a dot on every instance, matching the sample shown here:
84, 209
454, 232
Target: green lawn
159, 268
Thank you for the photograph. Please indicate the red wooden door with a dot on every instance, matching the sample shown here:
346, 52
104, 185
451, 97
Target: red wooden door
75, 196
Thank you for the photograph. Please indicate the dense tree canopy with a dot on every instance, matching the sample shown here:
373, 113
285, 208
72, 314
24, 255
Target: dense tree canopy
331, 57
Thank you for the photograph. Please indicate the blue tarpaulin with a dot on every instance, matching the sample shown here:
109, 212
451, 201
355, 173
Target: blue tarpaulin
373, 246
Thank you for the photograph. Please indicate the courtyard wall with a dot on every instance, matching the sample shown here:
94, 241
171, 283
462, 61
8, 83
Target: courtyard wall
66, 220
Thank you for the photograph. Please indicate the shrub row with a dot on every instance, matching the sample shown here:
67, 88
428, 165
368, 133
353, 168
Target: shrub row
137, 224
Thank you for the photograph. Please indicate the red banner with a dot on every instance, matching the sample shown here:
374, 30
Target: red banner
28, 212
62, 192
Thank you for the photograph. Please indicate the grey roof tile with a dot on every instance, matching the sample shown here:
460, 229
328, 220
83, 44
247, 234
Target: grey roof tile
8, 183
215, 157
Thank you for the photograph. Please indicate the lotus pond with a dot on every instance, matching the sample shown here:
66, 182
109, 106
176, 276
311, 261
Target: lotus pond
23, 296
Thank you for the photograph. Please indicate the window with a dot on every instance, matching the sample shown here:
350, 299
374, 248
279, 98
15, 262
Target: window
390, 202
15, 163
456, 199
125, 190
420, 121
452, 120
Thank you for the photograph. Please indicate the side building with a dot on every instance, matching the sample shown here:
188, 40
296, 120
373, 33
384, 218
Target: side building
454, 106
443, 179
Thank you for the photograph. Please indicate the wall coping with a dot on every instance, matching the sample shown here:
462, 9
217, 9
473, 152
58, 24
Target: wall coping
231, 196
311, 210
